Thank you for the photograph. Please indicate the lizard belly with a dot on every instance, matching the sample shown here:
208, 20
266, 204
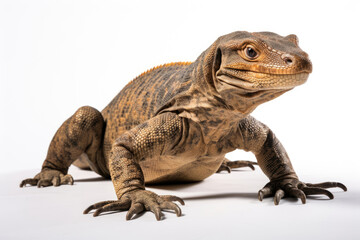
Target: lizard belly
176, 169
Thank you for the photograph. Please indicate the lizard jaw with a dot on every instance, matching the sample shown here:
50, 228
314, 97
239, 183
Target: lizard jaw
255, 81
246, 91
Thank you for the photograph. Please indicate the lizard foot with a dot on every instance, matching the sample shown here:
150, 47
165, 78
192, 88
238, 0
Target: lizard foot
138, 201
228, 165
297, 189
48, 177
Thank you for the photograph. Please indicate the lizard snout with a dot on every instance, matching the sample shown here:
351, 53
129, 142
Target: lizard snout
298, 63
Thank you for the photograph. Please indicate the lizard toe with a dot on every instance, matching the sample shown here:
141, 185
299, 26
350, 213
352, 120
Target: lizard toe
173, 199
30, 181
119, 205
44, 183
67, 179
171, 206
97, 205
135, 209
328, 185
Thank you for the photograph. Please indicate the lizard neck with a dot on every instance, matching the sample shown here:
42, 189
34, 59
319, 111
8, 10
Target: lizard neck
215, 107
201, 102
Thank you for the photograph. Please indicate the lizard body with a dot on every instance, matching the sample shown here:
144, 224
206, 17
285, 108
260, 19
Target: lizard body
176, 122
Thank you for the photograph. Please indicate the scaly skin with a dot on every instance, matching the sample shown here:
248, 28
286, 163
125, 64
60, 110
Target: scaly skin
176, 122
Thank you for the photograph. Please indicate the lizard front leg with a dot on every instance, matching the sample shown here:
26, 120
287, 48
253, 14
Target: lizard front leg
149, 139
275, 163
81, 133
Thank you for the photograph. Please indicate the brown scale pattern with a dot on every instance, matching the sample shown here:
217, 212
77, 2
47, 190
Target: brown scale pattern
142, 97
145, 140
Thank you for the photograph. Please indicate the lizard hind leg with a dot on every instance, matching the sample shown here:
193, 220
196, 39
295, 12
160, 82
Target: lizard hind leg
227, 165
81, 133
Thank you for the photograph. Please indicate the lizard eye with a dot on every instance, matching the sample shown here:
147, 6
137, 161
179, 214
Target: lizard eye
251, 53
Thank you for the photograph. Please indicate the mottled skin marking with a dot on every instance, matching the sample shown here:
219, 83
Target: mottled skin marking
176, 122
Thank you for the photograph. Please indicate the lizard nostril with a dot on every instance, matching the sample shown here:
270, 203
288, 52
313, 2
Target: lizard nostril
288, 59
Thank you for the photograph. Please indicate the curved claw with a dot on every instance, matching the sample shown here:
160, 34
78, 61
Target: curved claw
317, 190
224, 167
97, 205
265, 192
260, 195
278, 196
251, 166
135, 208
171, 206
328, 185
31, 181
173, 199
157, 211
297, 193
114, 206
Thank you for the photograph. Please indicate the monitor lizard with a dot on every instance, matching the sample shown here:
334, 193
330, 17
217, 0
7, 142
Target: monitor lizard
175, 123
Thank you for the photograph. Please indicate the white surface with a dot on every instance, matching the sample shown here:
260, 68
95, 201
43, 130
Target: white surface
56, 56
223, 206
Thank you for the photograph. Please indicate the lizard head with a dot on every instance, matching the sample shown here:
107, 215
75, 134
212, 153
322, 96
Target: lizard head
257, 67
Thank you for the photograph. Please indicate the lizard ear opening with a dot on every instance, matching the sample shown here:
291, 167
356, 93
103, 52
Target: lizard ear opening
217, 61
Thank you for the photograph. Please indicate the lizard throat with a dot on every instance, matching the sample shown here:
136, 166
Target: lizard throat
245, 94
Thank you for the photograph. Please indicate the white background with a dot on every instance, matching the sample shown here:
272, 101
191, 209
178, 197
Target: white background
56, 56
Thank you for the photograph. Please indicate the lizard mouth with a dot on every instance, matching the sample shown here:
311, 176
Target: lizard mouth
245, 90
255, 82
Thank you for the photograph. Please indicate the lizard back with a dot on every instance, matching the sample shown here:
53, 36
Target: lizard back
139, 100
